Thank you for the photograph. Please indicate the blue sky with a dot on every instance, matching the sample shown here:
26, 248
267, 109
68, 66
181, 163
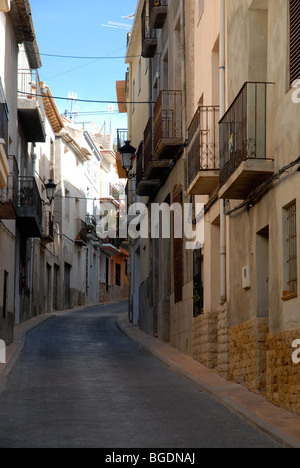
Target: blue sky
85, 29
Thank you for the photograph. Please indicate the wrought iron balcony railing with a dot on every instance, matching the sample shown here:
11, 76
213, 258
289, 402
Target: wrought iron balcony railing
149, 38
158, 10
203, 142
122, 137
140, 163
29, 195
31, 108
243, 129
9, 194
109, 190
168, 131
3, 115
81, 237
29, 216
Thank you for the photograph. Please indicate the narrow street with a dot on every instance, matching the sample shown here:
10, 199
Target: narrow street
82, 383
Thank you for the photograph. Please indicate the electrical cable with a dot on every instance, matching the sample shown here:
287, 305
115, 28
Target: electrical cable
83, 100
259, 191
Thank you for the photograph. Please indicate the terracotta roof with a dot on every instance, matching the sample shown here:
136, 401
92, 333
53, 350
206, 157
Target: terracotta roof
21, 16
121, 96
53, 115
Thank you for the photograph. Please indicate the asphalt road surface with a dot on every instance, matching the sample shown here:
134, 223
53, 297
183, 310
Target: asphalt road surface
82, 383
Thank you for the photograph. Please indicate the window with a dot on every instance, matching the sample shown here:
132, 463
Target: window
118, 274
294, 40
290, 251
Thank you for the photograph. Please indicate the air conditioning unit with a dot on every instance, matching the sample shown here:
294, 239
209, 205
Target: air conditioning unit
4, 5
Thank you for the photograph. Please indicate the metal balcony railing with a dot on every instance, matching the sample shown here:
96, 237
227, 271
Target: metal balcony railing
81, 237
122, 137
4, 111
149, 38
140, 164
9, 194
29, 195
109, 190
29, 87
243, 129
157, 4
158, 12
203, 142
168, 117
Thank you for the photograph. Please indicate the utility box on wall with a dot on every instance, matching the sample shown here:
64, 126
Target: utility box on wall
246, 278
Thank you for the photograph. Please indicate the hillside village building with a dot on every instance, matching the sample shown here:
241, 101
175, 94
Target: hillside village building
51, 257
221, 79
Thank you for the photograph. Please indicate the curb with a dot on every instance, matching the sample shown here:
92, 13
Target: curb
279, 437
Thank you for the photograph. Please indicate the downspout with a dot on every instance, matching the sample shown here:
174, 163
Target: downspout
222, 112
32, 241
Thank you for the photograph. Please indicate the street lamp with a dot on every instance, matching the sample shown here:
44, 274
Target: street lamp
50, 192
127, 154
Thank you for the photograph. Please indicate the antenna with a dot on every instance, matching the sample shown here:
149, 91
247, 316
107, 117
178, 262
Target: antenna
72, 97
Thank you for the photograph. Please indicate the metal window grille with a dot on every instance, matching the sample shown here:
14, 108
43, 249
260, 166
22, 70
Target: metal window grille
292, 248
294, 40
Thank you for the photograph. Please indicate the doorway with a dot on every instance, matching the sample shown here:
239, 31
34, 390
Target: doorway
67, 286
262, 272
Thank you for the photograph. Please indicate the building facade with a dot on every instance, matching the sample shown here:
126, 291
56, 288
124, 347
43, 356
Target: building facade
212, 110
51, 256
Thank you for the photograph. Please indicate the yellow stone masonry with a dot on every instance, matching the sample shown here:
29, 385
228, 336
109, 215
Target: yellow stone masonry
283, 376
247, 354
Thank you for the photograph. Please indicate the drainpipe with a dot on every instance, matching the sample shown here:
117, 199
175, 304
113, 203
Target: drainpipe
222, 112
32, 241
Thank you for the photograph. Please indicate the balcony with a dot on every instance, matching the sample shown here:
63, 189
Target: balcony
122, 137
9, 194
243, 157
149, 39
91, 232
29, 216
4, 168
168, 132
203, 152
48, 228
158, 13
81, 238
150, 172
30, 107
109, 193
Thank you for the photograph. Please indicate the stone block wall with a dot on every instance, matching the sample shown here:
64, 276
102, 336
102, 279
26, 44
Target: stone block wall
104, 294
247, 354
223, 341
205, 339
283, 376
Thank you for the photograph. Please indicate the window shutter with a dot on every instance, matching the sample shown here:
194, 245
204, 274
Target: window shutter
294, 40
178, 252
